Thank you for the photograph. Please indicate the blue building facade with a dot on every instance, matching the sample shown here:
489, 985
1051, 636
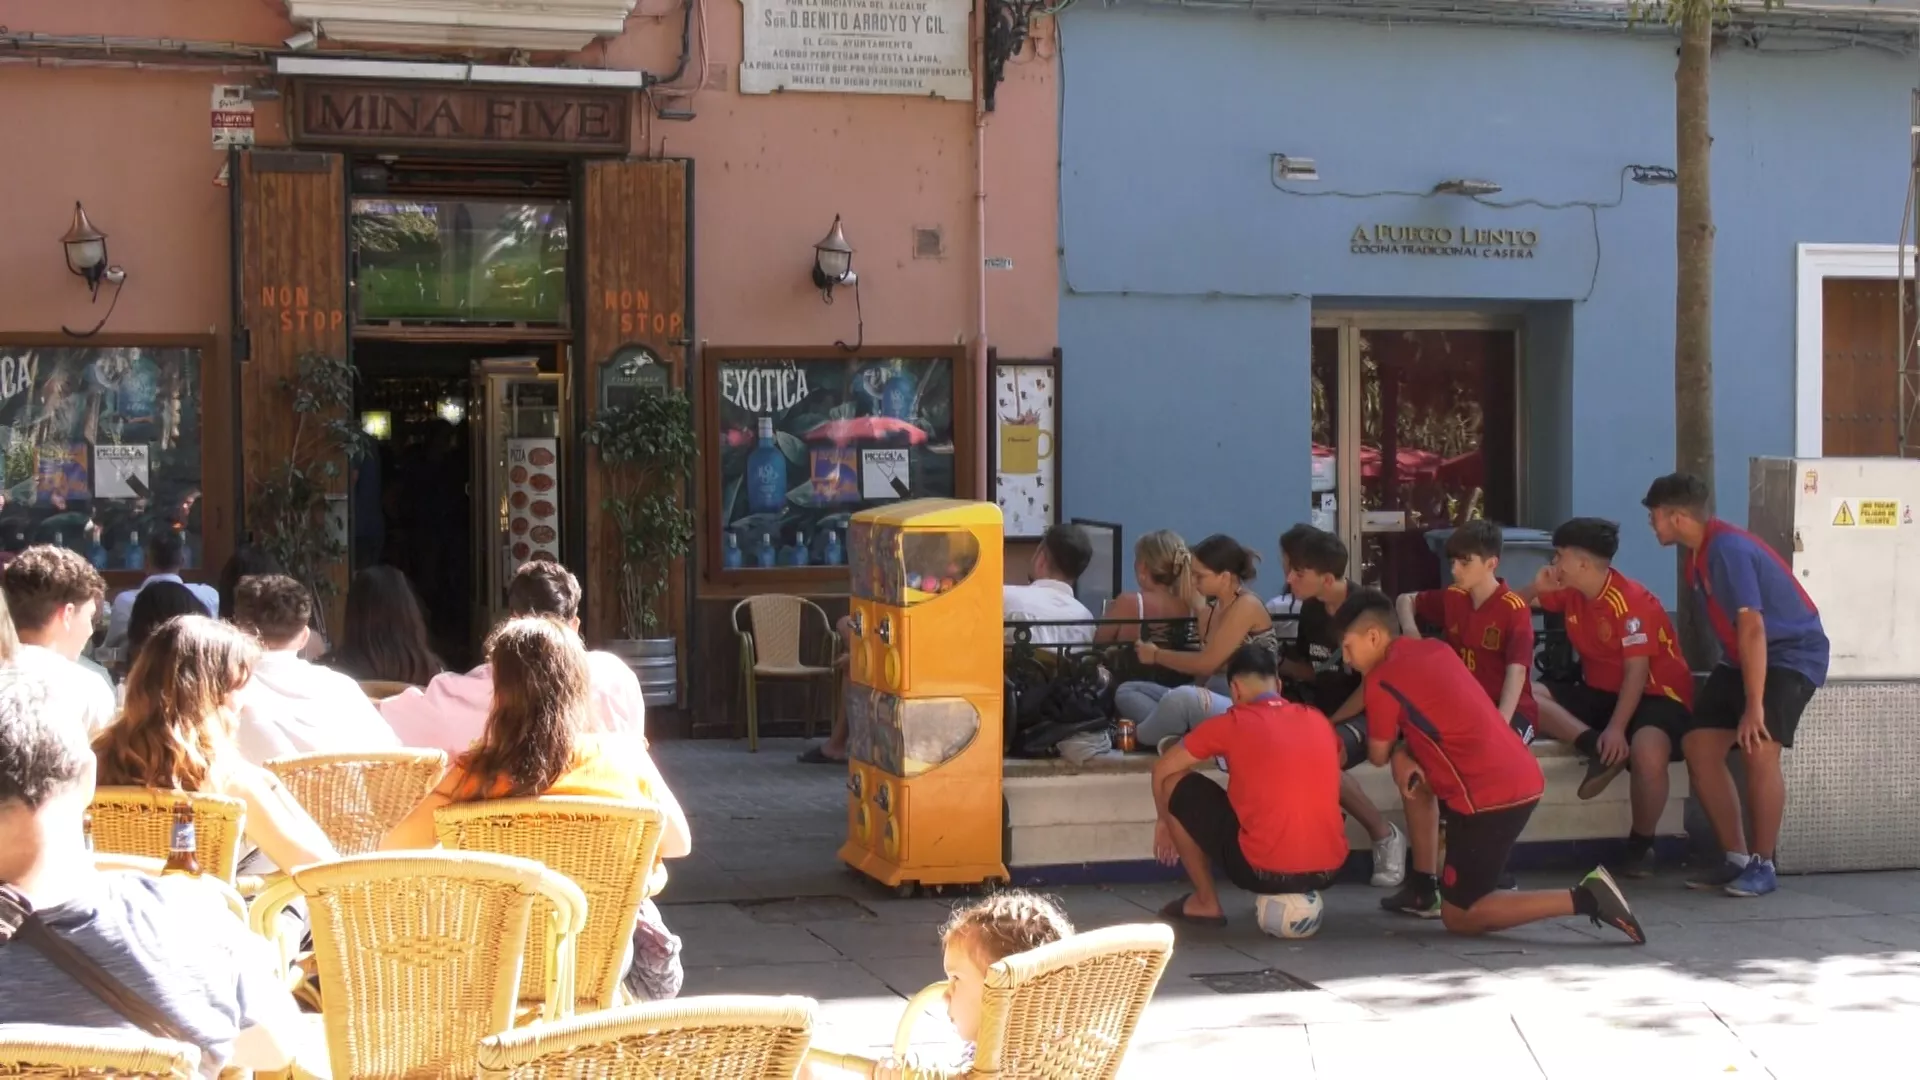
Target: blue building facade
1209, 305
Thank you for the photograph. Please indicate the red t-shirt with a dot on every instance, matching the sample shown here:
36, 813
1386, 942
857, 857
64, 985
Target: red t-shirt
1473, 760
1489, 638
1283, 779
1623, 622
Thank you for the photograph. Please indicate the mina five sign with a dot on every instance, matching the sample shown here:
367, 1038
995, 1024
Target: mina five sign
374, 114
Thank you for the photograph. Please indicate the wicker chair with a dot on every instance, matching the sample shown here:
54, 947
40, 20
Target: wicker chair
42, 1051
378, 690
139, 821
1064, 1011
607, 848
710, 1038
356, 798
419, 954
775, 646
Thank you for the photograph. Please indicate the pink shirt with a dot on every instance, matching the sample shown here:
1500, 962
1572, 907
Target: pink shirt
451, 713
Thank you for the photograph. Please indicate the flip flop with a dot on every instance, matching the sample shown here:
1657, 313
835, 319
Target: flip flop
813, 755
1175, 911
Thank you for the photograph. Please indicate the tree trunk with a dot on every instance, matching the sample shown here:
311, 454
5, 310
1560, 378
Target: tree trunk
1693, 293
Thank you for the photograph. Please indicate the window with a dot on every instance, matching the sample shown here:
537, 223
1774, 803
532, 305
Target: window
102, 447
803, 442
459, 261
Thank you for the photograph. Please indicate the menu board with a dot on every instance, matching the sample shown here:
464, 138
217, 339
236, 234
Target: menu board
533, 501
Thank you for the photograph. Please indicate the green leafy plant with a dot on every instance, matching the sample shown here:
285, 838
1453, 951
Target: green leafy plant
647, 449
288, 510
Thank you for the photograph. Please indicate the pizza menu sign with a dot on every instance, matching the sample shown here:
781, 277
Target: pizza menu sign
533, 501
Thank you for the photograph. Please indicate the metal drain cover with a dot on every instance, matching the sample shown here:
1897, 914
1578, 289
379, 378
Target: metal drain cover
801, 909
1264, 981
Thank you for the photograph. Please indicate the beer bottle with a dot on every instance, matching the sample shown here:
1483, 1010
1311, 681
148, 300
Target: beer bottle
183, 854
86, 830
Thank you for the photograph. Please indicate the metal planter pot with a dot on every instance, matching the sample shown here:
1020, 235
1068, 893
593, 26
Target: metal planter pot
657, 662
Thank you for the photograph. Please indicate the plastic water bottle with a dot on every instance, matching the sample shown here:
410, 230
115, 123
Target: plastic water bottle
835, 555
763, 556
730, 556
136, 557
766, 473
799, 555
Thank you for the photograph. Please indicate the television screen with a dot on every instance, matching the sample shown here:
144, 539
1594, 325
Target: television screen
460, 260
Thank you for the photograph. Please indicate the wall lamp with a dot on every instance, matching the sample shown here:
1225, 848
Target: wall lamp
833, 262
1287, 168
1472, 189
1652, 175
86, 249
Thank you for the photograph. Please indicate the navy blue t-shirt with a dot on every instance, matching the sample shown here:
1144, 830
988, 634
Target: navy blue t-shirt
1744, 573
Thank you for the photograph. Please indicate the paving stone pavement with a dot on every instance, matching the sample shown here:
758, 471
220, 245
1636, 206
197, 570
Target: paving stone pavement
1816, 981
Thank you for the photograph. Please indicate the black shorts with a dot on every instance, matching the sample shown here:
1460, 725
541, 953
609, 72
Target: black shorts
1352, 735
1477, 850
1724, 698
1203, 809
1594, 708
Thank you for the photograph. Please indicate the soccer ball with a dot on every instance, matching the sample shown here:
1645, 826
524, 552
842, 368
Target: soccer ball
1289, 915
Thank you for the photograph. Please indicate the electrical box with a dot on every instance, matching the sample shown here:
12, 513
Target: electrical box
1848, 527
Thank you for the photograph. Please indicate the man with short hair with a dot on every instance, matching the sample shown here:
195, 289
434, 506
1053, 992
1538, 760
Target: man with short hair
1775, 657
292, 706
166, 554
54, 596
1276, 828
1058, 562
1629, 711
1491, 629
451, 713
169, 940
1460, 762
1317, 576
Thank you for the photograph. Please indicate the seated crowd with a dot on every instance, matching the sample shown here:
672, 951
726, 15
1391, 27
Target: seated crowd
218, 684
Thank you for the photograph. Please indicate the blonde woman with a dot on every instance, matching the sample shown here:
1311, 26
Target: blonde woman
179, 731
1163, 569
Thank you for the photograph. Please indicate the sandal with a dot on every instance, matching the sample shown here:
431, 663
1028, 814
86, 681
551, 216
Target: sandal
1176, 911
814, 755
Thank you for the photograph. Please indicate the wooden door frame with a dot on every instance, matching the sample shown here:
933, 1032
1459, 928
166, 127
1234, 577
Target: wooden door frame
1813, 265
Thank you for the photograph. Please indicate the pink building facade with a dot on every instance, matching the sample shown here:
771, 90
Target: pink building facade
498, 291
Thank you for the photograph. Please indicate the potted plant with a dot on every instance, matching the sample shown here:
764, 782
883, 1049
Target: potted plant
293, 511
646, 448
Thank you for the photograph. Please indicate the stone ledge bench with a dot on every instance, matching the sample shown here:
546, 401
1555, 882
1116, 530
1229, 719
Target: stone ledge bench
1095, 821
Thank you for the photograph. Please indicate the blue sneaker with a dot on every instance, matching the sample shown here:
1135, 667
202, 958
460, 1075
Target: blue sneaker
1756, 880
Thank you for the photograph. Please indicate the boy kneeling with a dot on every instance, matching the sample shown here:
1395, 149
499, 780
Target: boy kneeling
1276, 828
1460, 760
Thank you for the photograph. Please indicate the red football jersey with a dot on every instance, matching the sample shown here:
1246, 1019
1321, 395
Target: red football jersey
1473, 760
1623, 622
1489, 638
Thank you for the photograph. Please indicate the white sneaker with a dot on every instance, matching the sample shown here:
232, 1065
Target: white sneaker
1390, 859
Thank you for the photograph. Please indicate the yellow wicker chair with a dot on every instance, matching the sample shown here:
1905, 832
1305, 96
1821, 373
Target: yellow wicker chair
139, 821
776, 646
356, 798
419, 954
378, 690
41, 1051
605, 847
1064, 1011
710, 1038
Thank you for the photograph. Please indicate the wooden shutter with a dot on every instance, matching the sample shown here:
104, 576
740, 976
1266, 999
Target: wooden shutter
634, 290
291, 295
1860, 378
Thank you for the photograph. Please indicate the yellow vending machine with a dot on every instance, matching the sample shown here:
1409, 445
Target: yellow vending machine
924, 695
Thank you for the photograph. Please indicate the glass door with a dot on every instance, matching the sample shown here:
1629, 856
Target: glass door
1416, 420
520, 418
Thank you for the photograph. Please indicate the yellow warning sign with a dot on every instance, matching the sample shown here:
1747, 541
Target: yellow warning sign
1843, 513
1879, 513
